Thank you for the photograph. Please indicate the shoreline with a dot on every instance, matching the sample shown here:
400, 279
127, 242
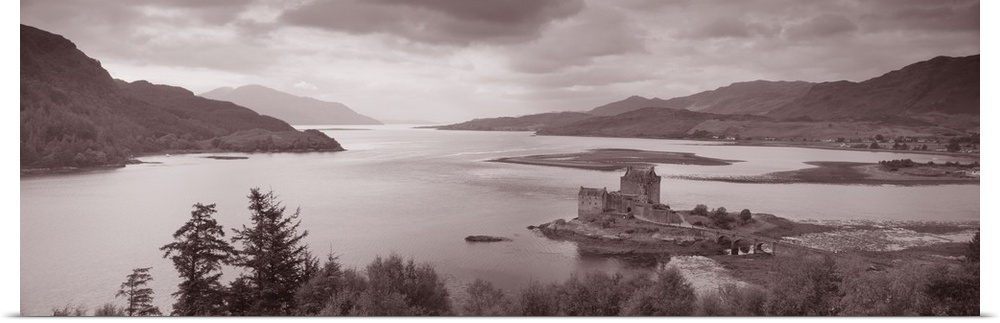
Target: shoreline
781, 144
135, 160
812, 145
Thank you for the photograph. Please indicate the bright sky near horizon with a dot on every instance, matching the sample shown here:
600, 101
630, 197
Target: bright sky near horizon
449, 61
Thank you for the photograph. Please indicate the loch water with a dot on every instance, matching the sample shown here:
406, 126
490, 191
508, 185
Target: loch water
414, 192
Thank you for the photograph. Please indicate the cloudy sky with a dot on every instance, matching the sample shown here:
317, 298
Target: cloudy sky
453, 60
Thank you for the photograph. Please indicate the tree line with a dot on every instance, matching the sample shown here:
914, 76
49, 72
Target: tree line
280, 277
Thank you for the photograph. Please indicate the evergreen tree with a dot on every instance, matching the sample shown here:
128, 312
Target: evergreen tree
316, 293
277, 263
198, 253
139, 298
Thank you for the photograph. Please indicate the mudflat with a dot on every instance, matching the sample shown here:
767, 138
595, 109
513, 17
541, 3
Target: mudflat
827, 172
615, 159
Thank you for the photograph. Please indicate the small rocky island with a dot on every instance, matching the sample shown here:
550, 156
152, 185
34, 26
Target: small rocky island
485, 239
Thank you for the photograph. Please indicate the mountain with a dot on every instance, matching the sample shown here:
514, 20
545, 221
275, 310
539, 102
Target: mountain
666, 123
73, 114
937, 97
649, 122
296, 110
755, 97
409, 121
940, 90
633, 103
531, 122
941, 86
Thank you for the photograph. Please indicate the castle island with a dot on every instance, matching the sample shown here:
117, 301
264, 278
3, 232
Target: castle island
634, 215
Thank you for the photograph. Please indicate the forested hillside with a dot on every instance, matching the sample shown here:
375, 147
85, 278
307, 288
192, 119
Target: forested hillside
73, 114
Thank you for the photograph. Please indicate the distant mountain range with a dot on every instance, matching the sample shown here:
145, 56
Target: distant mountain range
756, 97
943, 85
73, 114
296, 110
532, 122
938, 96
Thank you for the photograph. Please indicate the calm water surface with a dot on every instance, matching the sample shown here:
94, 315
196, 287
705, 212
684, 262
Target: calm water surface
414, 192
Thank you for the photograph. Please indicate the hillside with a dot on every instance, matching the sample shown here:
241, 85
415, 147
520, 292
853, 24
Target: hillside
296, 110
531, 122
636, 102
934, 98
944, 86
755, 97
668, 123
647, 123
73, 114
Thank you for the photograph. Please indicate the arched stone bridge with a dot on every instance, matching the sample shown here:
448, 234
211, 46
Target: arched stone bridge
740, 243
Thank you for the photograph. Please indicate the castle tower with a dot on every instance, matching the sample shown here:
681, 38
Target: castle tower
642, 182
592, 202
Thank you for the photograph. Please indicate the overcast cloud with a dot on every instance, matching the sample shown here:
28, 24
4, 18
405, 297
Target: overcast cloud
453, 60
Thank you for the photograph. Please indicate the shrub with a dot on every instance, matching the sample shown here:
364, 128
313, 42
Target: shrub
669, 295
895, 292
538, 300
417, 285
346, 299
486, 300
734, 300
806, 288
109, 309
721, 218
953, 292
69, 311
596, 294
700, 209
746, 216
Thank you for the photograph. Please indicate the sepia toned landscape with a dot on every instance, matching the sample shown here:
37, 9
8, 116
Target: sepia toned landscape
500, 158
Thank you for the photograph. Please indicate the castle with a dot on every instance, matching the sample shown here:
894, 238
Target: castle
639, 195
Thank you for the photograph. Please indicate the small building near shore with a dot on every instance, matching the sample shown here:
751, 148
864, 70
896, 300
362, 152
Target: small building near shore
639, 194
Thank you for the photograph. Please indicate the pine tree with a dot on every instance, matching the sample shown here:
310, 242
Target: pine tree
277, 263
139, 298
198, 253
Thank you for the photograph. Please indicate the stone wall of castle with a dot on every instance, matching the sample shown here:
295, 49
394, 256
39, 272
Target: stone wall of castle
652, 190
591, 203
631, 187
639, 182
639, 193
